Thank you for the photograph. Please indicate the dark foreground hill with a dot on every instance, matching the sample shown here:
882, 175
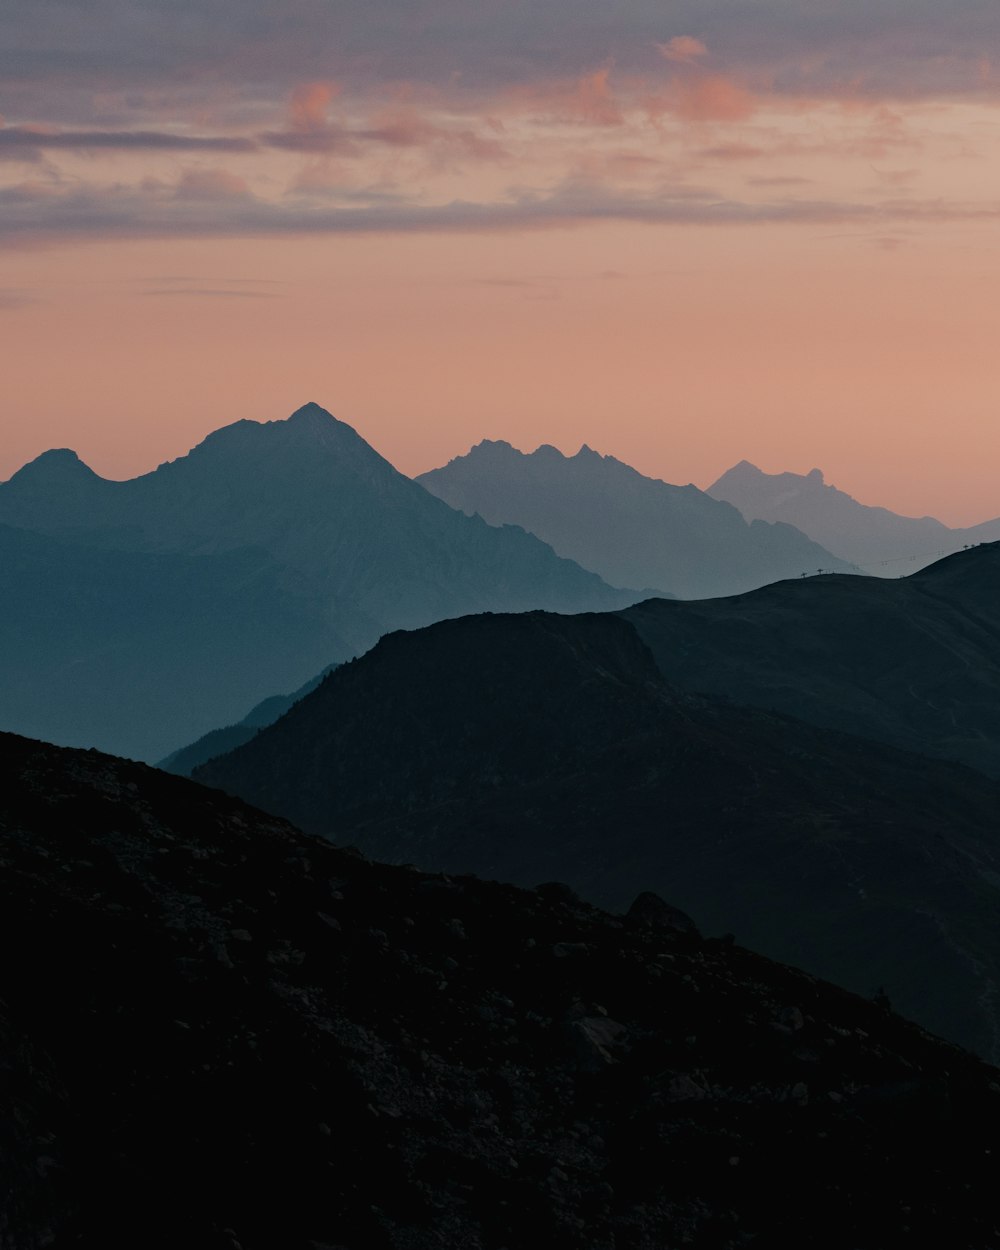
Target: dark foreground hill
223, 1035
914, 661
295, 536
633, 530
534, 747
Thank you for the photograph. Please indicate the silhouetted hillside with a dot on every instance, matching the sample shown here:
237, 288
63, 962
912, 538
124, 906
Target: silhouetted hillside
633, 530
185, 759
913, 661
534, 747
348, 547
880, 541
220, 1033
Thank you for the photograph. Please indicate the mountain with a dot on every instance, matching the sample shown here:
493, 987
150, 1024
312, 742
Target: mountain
631, 529
533, 747
914, 662
220, 741
135, 649
879, 541
299, 516
194, 1055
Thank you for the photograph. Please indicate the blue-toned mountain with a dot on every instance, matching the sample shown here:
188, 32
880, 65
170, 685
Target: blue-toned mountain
633, 530
298, 519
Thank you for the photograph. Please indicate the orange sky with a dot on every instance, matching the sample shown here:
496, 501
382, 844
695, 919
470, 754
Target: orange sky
684, 267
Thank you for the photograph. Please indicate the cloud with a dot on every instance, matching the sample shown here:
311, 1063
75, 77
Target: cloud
712, 97
164, 57
586, 99
211, 292
211, 184
29, 139
309, 104
684, 49
732, 152
407, 128
29, 218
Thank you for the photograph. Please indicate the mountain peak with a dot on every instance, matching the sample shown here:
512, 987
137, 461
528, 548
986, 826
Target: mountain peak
815, 475
312, 414
588, 453
546, 451
58, 467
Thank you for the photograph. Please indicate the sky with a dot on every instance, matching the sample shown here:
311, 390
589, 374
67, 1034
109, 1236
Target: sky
684, 233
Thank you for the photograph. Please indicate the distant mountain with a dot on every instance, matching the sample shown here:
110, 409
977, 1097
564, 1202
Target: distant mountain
218, 1032
632, 530
879, 541
535, 747
914, 662
136, 649
186, 759
300, 513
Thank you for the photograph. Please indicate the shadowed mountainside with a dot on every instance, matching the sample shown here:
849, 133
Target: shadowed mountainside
221, 1033
302, 512
914, 661
633, 530
220, 741
536, 746
879, 541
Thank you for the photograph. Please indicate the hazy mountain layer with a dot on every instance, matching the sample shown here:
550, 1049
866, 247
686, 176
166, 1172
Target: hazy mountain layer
914, 661
219, 741
538, 746
133, 649
348, 548
633, 530
880, 541
220, 1033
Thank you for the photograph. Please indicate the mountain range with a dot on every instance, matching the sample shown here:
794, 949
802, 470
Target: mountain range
536, 746
221, 1034
142, 614
633, 530
879, 541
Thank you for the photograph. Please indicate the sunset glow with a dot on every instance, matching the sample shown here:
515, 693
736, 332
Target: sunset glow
684, 240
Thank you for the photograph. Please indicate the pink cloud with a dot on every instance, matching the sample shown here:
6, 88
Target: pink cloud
407, 128
309, 103
595, 101
588, 100
705, 98
684, 49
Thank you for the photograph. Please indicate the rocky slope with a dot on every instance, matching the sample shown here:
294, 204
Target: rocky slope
534, 747
633, 530
223, 1035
